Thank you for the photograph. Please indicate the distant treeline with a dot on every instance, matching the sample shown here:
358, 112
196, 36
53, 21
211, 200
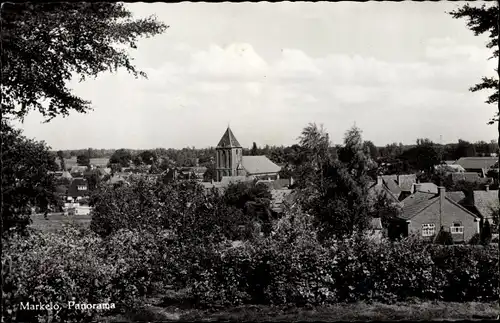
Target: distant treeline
281, 154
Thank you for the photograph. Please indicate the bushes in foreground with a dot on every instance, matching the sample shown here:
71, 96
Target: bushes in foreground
77, 265
271, 273
290, 267
47, 268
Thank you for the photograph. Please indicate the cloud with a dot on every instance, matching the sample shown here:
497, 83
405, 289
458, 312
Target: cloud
187, 102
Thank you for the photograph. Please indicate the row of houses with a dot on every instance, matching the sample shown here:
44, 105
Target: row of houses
426, 208
470, 169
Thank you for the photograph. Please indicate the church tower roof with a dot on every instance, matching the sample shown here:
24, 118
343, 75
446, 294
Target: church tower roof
228, 140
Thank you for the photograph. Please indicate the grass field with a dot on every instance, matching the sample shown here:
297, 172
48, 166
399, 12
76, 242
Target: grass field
70, 162
417, 310
56, 221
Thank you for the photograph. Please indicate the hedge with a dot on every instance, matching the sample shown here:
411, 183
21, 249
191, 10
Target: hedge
78, 265
271, 273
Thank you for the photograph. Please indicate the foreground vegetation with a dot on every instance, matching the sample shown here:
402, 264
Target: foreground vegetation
287, 269
408, 311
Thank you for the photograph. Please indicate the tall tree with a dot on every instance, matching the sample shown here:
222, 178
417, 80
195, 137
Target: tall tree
480, 20
45, 44
371, 149
465, 149
123, 157
341, 205
83, 160
26, 181
315, 141
62, 163
254, 151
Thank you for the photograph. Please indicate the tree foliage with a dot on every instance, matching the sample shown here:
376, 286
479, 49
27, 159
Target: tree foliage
44, 45
83, 160
26, 181
122, 157
338, 195
483, 20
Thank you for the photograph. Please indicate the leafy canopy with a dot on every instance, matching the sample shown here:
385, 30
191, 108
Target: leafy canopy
44, 45
481, 20
26, 181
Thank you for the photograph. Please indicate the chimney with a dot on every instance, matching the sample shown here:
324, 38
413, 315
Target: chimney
487, 187
417, 187
291, 181
399, 179
442, 196
379, 180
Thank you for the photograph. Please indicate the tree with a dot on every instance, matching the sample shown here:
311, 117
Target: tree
354, 155
315, 143
148, 157
93, 180
210, 174
480, 20
252, 199
485, 234
44, 44
60, 155
254, 151
371, 149
465, 149
26, 181
83, 160
423, 157
340, 205
443, 237
122, 157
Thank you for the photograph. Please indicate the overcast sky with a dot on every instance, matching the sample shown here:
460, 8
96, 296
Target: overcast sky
399, 70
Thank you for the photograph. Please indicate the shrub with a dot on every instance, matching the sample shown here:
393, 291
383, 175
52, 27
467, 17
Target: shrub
280, 271
78, 265
49, 267
475, 240
486, 235
443, 238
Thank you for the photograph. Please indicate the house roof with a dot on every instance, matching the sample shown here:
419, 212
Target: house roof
467, 176
416, 203
406, 182
477, 162
380, 188
76, 169
457, 197
228, 140
484, 201
276, 184
259, 165
426, 187
73, 190
450, 162
392, 186
452, 168
226, 180
281, 197
376, 224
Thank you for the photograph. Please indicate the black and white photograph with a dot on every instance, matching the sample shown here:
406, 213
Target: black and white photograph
254, 161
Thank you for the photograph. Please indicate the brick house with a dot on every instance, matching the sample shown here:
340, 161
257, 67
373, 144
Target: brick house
425, 213
78, 189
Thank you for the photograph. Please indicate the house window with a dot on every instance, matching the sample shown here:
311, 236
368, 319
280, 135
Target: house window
82, 188
428, 230
457, 228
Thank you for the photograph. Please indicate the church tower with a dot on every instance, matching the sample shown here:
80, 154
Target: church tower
228, 156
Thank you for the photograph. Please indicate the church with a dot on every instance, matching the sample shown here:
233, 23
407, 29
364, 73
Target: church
230, 161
